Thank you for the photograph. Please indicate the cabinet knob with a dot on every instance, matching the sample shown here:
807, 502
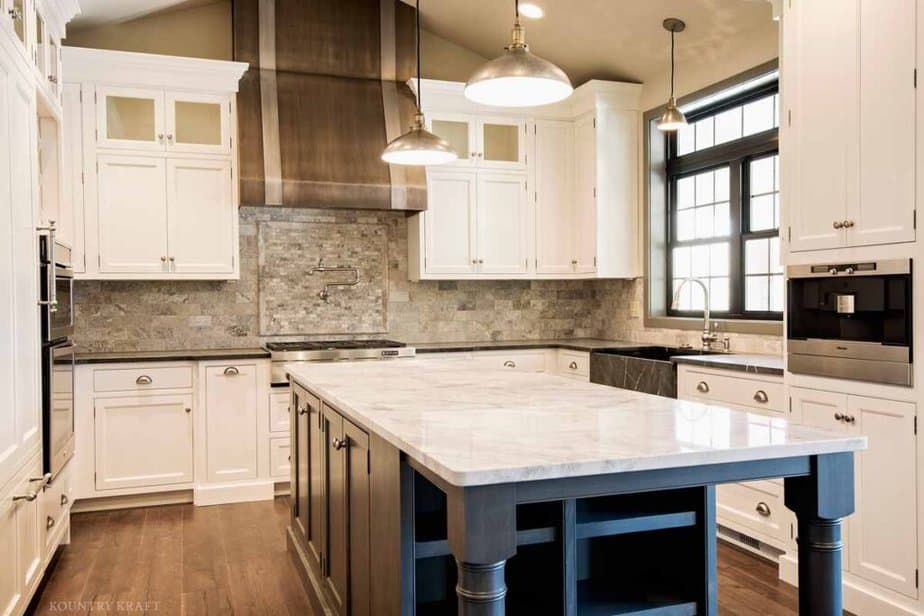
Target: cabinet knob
838, 224
15, 14
850, 271
49, 522
170, 139
510, 364
763, 509
839, 417
761, 396
474, 261
160, 137
833, 271
52, 79
231, 371
163, 259
702, 387
480, 261
848, 224
573, 365
338, 443
303, 410
850, 419
144, 380
188, 410
574, 262
64, 500
171, 259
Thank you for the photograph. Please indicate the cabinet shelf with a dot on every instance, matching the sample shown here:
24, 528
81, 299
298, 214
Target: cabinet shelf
594, 600
603, 524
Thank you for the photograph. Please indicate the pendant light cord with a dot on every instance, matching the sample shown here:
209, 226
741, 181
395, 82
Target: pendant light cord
417, 41
516, 9
672, 63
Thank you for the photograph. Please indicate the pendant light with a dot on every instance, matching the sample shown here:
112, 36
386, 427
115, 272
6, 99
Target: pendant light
518, 78
418, 146
672, 119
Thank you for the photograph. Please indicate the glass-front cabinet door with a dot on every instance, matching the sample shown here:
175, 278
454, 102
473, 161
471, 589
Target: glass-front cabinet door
198, 123
459, 131
502, 143
130, 118
54, 67
16, 12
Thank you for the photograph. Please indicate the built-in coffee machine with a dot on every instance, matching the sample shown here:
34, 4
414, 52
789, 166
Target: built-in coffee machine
851, 321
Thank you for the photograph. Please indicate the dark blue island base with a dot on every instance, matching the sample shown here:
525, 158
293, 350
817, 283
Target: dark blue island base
628, 543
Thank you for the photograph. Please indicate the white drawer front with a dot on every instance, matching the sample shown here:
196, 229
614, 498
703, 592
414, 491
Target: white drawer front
757, 507
574, 363
279, 410
143, 378
764, 394
55, 503
279, 457
529, 361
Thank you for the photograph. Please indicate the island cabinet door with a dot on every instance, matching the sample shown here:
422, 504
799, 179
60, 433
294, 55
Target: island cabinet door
307, 472
336, 557
358, 497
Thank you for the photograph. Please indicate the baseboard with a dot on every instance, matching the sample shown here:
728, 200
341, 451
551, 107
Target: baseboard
106, 503
238, 492
860, 597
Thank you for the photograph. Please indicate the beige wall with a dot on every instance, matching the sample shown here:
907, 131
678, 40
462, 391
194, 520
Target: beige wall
443, 59
198, 31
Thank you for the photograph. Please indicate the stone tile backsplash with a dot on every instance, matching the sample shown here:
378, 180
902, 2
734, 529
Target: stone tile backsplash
275, 297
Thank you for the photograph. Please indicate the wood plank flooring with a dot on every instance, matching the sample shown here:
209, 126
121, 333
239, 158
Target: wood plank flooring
231, 559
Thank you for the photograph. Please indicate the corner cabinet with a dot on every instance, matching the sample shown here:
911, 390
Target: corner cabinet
331, 504
849, 174
152, 168
553, 194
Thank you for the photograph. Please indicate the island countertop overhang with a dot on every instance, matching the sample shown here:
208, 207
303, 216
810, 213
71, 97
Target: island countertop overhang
471, 425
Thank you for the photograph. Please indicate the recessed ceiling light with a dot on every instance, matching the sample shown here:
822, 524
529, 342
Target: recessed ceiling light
531, 10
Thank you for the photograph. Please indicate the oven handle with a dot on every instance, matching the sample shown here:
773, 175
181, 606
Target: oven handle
52, 301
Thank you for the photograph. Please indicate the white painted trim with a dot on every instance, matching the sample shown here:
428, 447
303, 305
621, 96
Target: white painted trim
237, 492
131, 501
144, 69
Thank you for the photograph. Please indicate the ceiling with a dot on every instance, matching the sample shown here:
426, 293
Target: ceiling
101, 12
603, 39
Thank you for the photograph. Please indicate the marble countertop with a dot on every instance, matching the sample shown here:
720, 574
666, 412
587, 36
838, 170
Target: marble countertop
179, 355
473, 425
575, 344
754, 364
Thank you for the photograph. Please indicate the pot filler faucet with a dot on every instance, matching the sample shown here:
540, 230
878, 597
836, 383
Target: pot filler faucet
708, 337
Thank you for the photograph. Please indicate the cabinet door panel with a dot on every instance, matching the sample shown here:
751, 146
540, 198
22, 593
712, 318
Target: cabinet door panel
450, 222
231, 422
584, 231
336, 556
357, 456
132, 215
130, 118
883, 530
884, 212
300, 466
314, 497
29, 534
459, 130
198, 123
821, 152
200, 214
501, 220
555, 249
143, 441
72, 218
9, 452
818, 408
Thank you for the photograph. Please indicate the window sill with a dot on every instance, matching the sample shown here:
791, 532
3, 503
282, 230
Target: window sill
731, 326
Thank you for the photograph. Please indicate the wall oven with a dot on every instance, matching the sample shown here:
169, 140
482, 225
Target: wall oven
851, 321
57, 317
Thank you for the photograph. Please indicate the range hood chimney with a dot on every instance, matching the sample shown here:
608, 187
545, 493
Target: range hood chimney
325, 92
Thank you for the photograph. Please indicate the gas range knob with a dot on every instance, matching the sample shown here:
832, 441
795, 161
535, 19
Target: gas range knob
833, 271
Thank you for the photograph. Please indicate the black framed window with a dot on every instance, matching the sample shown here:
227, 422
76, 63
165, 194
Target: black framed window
724, 208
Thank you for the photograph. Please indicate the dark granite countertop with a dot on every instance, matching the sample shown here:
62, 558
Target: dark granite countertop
754, 364
575, 344
179, 355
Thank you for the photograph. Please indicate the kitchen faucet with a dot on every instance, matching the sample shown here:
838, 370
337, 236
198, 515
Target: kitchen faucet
708, 337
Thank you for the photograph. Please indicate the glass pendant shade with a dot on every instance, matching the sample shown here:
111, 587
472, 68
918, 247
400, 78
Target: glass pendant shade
672, 119
418, 146
518, 78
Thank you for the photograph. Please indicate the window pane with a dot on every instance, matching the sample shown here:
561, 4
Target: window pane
701, 258
762, 213
722, 184
718, 294
762, 175
757, 293
686, 140
681, 262
759, 115
686, 227
705, 137
728, 126
704, 222
718, 257
722, 220
685, 300
757, 256
776, 293
685, 192
705, 188
776, 265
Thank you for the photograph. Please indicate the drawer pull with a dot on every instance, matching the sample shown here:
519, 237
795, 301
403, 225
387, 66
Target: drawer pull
573, 365
144, 380
64, 500
510, 364
702, 387
763, 509
49, 522
29, 497
232, 371
761, 396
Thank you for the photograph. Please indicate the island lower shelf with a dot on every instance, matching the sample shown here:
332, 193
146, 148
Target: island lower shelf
638, 554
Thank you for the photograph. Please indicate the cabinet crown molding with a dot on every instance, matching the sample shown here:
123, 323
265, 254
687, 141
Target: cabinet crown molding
595, 94
125, 67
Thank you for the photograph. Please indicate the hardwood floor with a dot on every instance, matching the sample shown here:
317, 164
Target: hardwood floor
231, 559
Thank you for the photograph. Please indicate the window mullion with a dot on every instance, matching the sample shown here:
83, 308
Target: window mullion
736, 194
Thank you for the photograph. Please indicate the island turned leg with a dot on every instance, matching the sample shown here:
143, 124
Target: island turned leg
482, 536
819, 501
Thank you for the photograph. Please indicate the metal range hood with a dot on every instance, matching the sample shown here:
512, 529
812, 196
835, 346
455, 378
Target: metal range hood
324, 94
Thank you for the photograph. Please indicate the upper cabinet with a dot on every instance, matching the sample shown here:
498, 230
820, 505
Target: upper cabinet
550, 193
157, 160
848, 167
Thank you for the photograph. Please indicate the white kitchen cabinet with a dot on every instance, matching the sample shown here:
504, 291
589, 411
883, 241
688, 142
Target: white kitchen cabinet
530, 360
486, 142
279, 410
10, 588
556, 224
449, 224
280, 460
143, 441
132, 195
583, 235
849, 169
501, 217
882, 533
29, 544
574, 364
231, 422
71, 215
198, 123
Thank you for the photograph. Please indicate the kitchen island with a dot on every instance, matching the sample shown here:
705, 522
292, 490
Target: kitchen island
415, 479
